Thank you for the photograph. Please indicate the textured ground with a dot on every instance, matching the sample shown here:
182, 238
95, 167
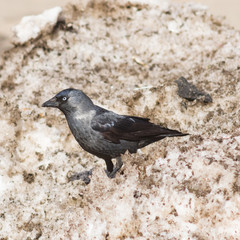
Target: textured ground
126, 56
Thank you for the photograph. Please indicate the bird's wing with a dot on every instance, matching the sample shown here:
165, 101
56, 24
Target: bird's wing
116, 127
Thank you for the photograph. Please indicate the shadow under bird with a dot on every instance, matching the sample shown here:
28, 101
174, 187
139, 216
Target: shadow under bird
104, 133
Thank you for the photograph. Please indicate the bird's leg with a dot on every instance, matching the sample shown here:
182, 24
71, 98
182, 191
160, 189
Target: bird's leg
84, 176
115, 169
109, 164
119, 163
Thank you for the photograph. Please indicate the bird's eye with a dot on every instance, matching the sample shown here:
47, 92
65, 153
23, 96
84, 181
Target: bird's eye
64, 98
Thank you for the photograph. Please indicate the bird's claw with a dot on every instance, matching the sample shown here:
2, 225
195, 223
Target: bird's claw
115, 170
110, 174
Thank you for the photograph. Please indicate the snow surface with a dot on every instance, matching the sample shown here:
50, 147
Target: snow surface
126, 55
31, 27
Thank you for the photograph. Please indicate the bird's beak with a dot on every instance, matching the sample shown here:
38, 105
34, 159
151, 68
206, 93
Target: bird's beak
51, 103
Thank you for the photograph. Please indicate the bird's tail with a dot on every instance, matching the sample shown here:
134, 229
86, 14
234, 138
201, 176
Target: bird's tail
167, 133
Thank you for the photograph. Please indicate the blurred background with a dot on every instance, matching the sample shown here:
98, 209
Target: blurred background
11, 12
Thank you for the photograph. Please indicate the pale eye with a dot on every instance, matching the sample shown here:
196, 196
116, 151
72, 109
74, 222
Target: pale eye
64, 98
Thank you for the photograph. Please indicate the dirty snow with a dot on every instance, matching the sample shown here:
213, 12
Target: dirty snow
126, 55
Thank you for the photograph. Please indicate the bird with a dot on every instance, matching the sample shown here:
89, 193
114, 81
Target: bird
105, 133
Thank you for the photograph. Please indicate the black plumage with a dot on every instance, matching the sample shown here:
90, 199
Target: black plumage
104, 133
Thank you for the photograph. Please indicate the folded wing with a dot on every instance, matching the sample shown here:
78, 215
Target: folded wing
116, 127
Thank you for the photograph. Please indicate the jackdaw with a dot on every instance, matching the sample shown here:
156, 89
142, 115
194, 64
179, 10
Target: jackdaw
104, 133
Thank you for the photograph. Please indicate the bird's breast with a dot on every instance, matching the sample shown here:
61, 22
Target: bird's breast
93, 141
81, 129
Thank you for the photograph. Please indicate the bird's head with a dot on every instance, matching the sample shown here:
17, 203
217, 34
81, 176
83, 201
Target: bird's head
70, 100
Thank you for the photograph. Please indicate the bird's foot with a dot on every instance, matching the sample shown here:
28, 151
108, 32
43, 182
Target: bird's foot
117, 167
84, 176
